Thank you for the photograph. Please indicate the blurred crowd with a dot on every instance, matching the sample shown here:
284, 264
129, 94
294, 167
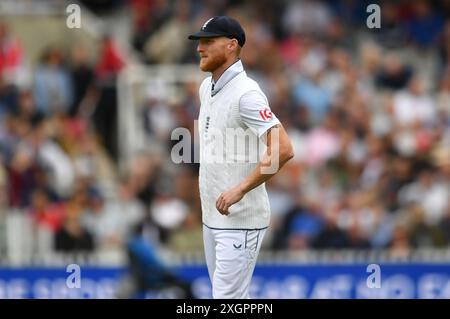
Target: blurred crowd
58, 147
368, 111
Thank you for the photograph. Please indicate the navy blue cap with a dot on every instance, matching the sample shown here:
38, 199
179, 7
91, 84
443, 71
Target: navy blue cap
221, 26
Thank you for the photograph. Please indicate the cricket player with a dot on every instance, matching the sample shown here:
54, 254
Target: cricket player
234, 113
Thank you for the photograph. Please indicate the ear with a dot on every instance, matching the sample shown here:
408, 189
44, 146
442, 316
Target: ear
232, 45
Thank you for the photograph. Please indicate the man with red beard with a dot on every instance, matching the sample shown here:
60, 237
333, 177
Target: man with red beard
234, 112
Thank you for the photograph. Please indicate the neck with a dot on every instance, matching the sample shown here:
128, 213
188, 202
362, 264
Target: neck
217, 73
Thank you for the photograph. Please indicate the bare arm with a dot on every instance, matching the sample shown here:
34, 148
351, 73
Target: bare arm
279, 151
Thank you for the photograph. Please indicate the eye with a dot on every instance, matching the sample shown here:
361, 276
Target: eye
206, 41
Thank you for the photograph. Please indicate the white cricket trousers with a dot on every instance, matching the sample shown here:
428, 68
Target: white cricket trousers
231, 257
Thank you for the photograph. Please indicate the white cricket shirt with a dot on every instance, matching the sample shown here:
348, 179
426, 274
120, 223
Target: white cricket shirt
234, 115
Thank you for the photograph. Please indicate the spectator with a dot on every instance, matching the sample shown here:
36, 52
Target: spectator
414, 106
22, 177
72, 237
53, 91
426, 24
394, 75
82, 75
46, 214
310, 17
111, 221
167, 44
11, 56
110, 62
331, 237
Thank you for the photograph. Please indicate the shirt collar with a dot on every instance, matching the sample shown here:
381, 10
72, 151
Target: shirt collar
226, 77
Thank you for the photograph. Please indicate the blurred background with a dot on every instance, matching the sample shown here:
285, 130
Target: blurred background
86, 175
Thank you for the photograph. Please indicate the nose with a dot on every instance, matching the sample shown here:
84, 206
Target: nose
200, 47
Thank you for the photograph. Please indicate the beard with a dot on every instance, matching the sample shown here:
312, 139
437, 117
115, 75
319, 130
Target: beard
212, 63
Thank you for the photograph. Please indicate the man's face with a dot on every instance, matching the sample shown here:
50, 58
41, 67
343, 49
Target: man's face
213, 53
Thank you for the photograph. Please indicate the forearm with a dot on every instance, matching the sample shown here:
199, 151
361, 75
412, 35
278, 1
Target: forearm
258, 176
279, 151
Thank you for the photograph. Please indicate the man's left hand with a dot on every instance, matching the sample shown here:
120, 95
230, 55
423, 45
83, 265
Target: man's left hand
228, 198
